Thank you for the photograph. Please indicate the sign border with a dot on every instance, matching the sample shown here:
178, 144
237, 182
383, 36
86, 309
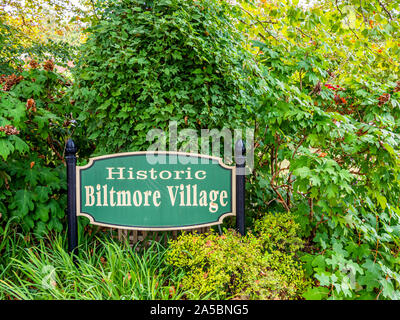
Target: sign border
124, 154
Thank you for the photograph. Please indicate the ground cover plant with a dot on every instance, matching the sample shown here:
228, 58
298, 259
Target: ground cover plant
103, 269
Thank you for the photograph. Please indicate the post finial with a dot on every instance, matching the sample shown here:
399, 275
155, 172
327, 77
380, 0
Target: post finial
70, 148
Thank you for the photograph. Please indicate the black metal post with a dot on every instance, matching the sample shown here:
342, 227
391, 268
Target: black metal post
240, 159
70, 157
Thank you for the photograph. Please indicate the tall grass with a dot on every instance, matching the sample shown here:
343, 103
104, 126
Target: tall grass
103, 269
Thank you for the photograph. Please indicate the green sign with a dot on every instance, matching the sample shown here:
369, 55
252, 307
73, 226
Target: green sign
156, 191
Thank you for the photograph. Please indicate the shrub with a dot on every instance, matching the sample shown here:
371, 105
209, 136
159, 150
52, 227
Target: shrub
231, 266
282, 247
328, 139
147, 64
279, 232
34, 124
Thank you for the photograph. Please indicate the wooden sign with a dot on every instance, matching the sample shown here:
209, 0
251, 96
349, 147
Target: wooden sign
154, 190
181, 191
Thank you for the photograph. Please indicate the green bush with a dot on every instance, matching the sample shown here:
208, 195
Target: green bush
279, 232
232, 266
144, 65
34, 124
282, 246
328, 139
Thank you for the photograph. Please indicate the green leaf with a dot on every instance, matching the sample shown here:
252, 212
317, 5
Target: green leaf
6, 147
42, 193
32, 176
303, 172
323, 278
19, 144
42, 213
382, 201
332, 191
28, 222
55, 209
316, 293
22, 203
319, 262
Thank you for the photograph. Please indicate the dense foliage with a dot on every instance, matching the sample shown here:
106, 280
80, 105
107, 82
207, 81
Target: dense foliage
145, 65
319, 86
258, 266
328, 137
39, 29
33, 126
105, 270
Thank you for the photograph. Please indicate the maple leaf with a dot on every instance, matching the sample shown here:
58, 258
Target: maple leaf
22, 203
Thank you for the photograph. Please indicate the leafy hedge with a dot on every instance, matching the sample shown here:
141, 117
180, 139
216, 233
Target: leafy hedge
144, 65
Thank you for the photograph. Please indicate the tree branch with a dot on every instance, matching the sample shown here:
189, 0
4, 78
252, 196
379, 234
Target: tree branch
385, 9
260, 22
